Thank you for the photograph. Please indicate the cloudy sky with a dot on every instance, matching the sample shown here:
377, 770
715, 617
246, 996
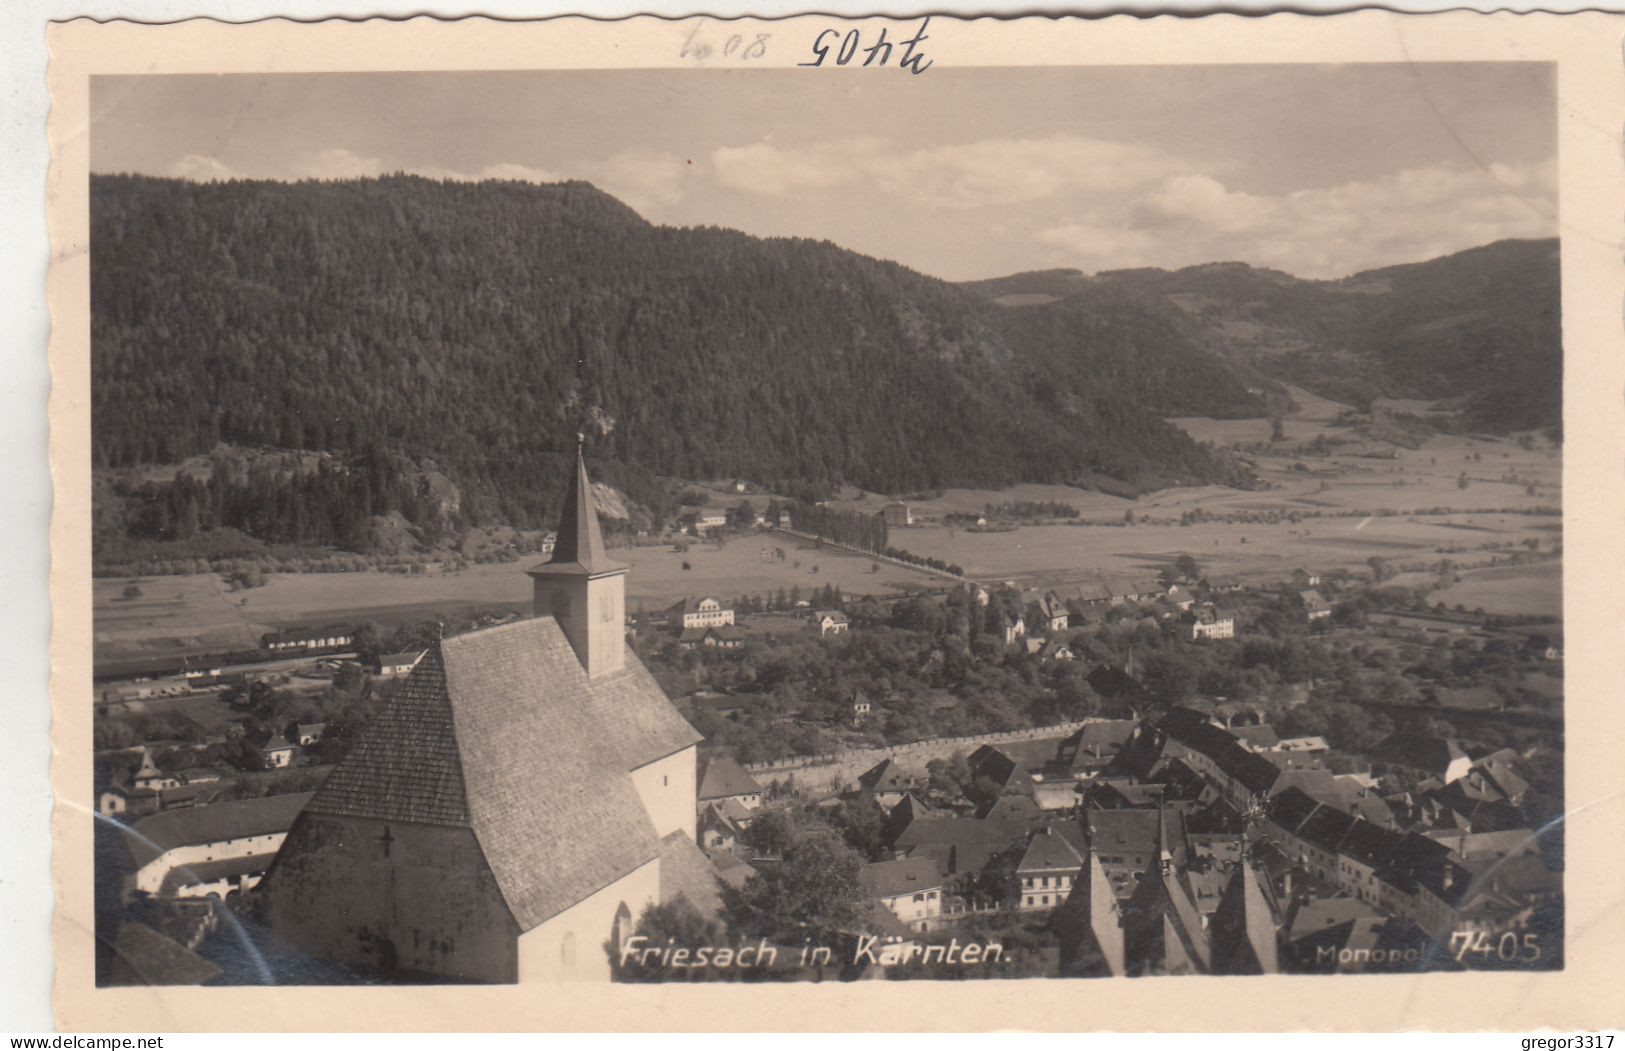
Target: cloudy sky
1317, 170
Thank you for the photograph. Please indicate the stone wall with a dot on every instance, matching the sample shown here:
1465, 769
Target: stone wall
818, 772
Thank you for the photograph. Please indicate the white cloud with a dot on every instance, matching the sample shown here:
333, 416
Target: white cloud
965, 175
335, 162
766, 169
198, 168
519, 173
1414, 214
640, 178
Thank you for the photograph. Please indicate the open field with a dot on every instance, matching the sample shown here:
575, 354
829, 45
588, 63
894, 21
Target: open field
1535, 589
1355, 482
197, 612
1359, 478
1054, 554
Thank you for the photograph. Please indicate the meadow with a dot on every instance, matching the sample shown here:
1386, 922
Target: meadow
1358, 478
198, 612
1534, 590
1355, 487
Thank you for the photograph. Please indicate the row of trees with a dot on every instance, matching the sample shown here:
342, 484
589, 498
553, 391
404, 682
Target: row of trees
854, 529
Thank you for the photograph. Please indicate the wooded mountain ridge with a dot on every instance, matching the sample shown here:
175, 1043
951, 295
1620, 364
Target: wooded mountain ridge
480, 325
1480, 329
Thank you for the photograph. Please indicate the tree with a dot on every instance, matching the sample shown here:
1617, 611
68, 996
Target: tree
814, 890
675, 922
1187, 567
1277, 429
862, 824
132, 591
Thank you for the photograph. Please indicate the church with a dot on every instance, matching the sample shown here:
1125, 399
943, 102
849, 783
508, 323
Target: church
506, 817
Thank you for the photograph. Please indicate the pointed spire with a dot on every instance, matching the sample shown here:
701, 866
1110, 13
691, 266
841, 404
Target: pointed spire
579, 548
1244, 939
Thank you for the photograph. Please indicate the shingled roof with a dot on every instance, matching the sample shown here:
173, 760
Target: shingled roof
212, 823
501, 731
724, 778
580, 544
1049, 852
887, 776
1243, 930
142, 956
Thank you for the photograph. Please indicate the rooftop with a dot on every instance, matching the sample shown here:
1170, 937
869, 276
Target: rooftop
891, 879
212, 823
500, 730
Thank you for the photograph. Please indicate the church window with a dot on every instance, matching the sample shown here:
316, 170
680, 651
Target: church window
567, 950
622, 929
561, 604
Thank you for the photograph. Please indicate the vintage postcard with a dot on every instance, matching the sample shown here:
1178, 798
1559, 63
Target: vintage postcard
817, 524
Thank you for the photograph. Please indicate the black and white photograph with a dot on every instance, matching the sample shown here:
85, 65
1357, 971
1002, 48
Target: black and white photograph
843, 522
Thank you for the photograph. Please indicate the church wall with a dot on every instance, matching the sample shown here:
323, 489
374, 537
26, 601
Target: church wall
668, 790
421, 903
572, 945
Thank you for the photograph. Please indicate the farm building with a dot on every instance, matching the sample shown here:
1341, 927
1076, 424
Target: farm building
296, 641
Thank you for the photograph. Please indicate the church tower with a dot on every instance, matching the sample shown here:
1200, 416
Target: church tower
581, 587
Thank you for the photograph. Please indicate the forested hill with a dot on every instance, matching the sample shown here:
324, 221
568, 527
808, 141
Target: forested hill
1480, 328
478, 324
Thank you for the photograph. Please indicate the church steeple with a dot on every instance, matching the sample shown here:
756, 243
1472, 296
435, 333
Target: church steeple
580, 544
581, 587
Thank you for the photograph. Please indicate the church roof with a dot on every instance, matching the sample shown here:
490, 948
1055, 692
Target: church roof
1243, 931
1090, 925
579, 548
501, 731
686, 872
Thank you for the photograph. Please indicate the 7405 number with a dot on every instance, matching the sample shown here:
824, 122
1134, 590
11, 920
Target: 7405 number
1509, 947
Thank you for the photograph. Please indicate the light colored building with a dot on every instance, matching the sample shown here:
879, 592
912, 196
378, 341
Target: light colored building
704, 612
307, 640
1211, 623
910, 888
507, 815
394, 664
277, 753
217, 848
724, 779
831, 622
1315, 607
1046, 870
